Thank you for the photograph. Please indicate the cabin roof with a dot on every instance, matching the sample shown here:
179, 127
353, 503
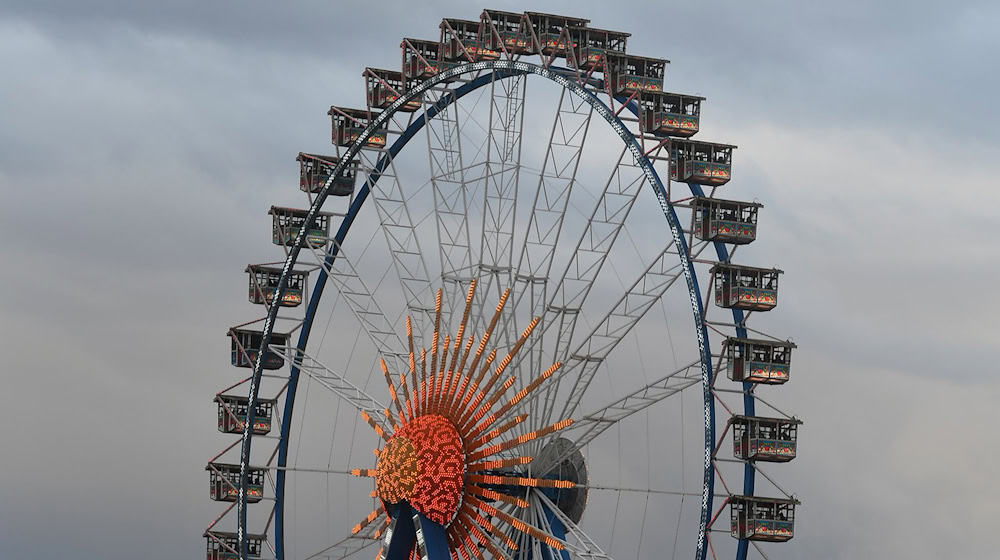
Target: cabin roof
272, 269
242, 399
252, 331
569, 19
231, 535
297, 211
701, 142
760, 499
417, 43
698, 199
741, 417
225, 466
730, 266
384, 73
787, 343
356, 113
672, 94
601, 30
630, 56
453, 21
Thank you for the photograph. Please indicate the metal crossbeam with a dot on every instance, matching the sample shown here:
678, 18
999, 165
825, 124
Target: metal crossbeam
404, 246
582, 545
616, 324
335, 382
367, 310
451, 194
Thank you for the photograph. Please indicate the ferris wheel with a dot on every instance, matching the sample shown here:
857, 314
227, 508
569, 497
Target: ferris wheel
490, 312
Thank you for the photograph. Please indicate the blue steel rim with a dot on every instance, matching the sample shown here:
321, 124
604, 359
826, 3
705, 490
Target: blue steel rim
499, 69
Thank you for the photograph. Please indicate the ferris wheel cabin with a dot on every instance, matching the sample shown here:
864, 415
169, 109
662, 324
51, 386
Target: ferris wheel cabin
384, 87
745, 287
246, 345
505, 31
420, 58
264, 284
233, 409
224, 483
461, 43
223, 545
728, 221
349, 124
762, 519
592, 44
758, 361
315, 171
286, 223
756, 438
628, 74
553, 31
704, 163
670, 114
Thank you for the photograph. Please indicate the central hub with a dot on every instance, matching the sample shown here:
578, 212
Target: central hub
424, 464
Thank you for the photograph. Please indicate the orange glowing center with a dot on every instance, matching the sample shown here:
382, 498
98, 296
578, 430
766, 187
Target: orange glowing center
424, 464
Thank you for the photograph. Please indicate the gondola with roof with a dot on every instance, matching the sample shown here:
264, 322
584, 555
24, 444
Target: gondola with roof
726, 221
745, 287
762, 519
286, 223
759, 361
224, 545
669, 114
590, 45
264, 284
246, 345
756, 438
704, 163
461, 43
628, 74
224, 482
505, 32
552, 32
349, 124
384, 87
315, 171
233, 411
421, 58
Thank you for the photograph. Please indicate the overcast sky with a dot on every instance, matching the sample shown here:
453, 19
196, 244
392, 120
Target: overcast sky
140, 141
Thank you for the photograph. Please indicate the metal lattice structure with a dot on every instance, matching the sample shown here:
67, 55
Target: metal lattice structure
499, 290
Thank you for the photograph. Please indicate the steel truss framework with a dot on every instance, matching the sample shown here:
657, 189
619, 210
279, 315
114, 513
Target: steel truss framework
559, 304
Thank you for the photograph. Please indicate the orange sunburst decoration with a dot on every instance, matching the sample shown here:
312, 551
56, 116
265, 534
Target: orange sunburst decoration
442, 440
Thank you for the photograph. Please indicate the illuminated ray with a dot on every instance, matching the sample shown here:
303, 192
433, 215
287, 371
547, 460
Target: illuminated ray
519, 440
496, 432
503, 366
375, 425
475, 384
413, 365
485, 523
456, 547
392, 420
367, 473
451, 380
494, 495
489, 333
515, 400
518, 524
406, 392
423, 381
498, 464
367, 520
392, 387
519, 481
439, 385
484, 539
437, 335
452, 399
469, 544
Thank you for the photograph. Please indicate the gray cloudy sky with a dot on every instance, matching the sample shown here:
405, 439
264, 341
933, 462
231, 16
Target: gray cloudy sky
139, 142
